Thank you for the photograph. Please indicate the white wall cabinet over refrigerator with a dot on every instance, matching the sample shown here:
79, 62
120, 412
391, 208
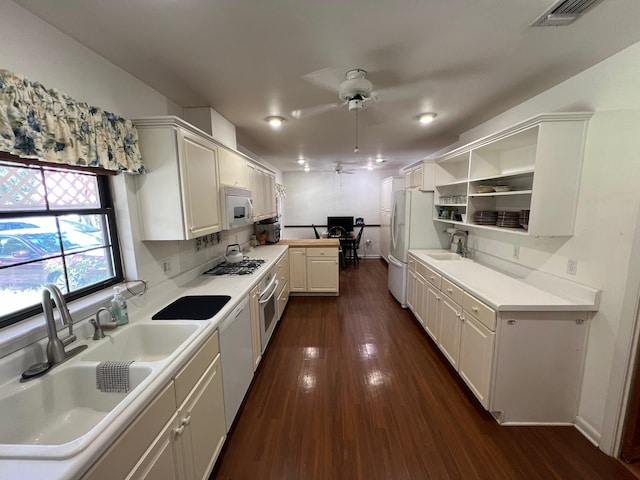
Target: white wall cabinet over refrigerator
179, 197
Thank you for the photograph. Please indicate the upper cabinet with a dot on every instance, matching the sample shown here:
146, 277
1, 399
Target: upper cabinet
232, 168
523, 179
263, 185
420, 176
179, 196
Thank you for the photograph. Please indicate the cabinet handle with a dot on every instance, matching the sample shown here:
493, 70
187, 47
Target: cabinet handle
449, 290
437, 298
432, 278
475, 309
458, 315
186, 420
179, 431
511, 322
192, 229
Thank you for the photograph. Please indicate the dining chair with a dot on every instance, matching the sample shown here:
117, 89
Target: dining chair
315, 231
356, 245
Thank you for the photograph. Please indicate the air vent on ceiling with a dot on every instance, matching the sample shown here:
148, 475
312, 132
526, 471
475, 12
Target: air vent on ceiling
564, 13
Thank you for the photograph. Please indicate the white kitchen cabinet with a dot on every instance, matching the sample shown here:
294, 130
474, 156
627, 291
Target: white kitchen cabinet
525, 161
432, 300
314, 270
263, 184
179, 197
202, 430
420, 292
282, 293
450, 328
298, 269
476, 357
322, 270
411, 284
256, 345
232, 168
182, 431
413, 177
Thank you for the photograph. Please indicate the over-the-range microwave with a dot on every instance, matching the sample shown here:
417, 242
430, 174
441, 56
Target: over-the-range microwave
236, 206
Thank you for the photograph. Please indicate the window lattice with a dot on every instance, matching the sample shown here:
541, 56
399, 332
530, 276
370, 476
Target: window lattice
69, 189
21, 189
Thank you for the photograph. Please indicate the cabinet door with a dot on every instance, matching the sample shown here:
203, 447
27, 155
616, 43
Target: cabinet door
419, 298
232, 168
202, 428
432, 311
411, 290
259, 194
270, 190
162, 461
322, 274
450, 328
416, 177
385, 194
476, 354
298, 269
256, 346
407, 179
200, 186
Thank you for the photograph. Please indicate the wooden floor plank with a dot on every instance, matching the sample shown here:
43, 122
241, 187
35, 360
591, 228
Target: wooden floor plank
351, 387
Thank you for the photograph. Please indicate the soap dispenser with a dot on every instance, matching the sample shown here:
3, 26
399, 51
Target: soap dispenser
119, 306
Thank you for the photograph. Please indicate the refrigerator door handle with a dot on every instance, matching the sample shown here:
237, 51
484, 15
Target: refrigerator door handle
394, 219
394, 262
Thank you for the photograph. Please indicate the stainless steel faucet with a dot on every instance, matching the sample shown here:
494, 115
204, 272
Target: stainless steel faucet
55, 346
462, 243
99, 329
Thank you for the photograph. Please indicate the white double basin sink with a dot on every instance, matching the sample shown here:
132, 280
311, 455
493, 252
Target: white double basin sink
58, 414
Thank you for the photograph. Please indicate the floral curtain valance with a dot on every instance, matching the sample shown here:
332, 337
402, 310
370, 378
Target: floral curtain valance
50, 125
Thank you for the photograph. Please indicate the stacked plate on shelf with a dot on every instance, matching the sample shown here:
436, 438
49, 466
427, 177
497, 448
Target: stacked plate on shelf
508, 219
485, 217
524, 219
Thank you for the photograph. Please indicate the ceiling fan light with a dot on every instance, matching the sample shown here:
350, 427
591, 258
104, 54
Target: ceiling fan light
275, 121
380, 159
426, 118
306, 168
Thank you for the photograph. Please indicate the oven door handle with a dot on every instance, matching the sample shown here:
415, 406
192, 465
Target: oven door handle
269, 291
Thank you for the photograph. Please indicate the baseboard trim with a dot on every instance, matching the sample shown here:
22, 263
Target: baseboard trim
586, 429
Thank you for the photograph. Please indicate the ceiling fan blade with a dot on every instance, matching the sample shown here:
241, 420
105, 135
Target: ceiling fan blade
315, 110
327, 78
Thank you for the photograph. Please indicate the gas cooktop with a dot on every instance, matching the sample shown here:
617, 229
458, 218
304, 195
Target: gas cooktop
245, 267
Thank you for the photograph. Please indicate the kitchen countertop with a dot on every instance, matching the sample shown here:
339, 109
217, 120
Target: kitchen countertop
76, 459
312, 242
513, 291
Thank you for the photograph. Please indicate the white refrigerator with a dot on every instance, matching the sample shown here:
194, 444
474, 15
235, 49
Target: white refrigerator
412, 226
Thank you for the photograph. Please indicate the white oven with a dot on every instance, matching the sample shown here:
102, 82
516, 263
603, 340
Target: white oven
268, 308
237, 207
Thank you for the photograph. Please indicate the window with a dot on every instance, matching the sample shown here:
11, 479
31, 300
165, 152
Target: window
57, 226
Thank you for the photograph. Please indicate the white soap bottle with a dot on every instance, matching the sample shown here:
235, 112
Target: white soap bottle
119, 306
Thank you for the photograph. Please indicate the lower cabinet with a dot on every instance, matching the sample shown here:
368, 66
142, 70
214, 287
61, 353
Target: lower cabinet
314, 270
523, 366
180, 434
282, 294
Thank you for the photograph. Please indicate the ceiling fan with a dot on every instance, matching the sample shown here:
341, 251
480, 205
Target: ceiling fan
356, 91
339, 169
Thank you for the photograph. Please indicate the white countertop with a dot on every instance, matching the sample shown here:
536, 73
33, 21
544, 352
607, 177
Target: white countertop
506, 291
79, 456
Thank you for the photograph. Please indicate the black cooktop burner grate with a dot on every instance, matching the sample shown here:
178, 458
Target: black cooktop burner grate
245, 267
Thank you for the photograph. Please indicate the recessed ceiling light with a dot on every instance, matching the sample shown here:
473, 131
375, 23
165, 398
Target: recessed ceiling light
274, 121
380, 159
306, 168
301, 160
369, 167
425, 118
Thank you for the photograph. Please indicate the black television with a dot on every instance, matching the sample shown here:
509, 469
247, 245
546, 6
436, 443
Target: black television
344, 222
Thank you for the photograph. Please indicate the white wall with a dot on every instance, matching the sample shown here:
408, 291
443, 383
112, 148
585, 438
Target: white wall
35, 49
313, 196
606, 226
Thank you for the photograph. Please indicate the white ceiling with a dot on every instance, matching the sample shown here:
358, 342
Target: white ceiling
467, 60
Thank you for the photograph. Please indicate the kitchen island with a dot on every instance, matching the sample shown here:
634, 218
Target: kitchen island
314, 266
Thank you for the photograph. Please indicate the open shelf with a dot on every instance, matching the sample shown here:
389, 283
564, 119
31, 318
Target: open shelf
500, 194
515, 231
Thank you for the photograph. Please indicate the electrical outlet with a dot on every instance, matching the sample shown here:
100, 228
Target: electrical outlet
166, 265
367, 242
516, 252
572, 266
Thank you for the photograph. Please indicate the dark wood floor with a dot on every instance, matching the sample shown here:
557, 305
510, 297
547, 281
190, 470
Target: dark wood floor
352, 388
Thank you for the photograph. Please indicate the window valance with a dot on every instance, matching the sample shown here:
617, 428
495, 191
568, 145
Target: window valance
48, 124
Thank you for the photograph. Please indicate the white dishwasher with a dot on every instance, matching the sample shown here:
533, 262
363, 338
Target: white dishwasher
236, 357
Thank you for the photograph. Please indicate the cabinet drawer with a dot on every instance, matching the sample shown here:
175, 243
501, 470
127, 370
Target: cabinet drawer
452, 291
484, 314
412, 264
429, 275
322, 252
187, 378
